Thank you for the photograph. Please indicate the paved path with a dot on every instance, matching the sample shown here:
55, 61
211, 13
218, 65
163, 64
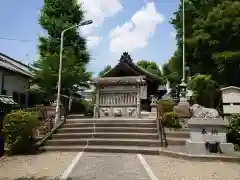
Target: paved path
92, 166
106, 166
50, 164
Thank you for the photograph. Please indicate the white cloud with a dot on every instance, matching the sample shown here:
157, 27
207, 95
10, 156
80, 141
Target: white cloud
98, 11
135, 34
173, 34
93, 41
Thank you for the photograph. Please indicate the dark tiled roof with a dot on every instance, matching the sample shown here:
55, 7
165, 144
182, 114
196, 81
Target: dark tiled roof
127, 60
14, 65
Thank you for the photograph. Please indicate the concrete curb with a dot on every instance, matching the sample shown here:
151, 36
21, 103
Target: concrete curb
186, 156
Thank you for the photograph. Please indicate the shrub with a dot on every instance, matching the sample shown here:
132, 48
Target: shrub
168, 116
167, 106
170, 120
82, 107
18, 131
233, 135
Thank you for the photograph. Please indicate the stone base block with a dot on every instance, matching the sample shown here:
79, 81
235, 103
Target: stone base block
152, 115
227, 148
153, 107
145, 114
195, 147
200, 148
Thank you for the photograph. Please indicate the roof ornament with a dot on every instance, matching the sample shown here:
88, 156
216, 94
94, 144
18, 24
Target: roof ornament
125, 57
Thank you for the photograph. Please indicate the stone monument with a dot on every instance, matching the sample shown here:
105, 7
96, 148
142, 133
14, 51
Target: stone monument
207, 127
154, 104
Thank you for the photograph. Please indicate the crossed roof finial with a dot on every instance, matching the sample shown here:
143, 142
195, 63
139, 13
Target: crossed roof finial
125, 57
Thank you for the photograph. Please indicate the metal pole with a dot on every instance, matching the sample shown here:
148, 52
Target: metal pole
58, 114
57, 118
183, 85
183, 78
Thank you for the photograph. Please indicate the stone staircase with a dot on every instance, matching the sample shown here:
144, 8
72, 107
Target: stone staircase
111, 135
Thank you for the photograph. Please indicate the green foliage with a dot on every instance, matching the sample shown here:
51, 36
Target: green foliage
169, 117
153, 68
83, 107
56, 16
150, 66
173, 71
233, 135
212, 36
167, 106
204, 89
18, 131
170, 120
106, 69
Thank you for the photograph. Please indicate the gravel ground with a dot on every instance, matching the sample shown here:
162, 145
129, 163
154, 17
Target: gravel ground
166, 168
93, 166
50, 164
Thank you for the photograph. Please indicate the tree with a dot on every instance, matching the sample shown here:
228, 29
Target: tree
204, 90
151, 67
211, 33
57, 15
215, 43
173, 70
106, 69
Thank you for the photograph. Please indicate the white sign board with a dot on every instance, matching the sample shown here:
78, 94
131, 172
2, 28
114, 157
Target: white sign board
143, 92
231, 100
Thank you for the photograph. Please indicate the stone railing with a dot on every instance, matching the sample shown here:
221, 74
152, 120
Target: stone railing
47, 120
160, 125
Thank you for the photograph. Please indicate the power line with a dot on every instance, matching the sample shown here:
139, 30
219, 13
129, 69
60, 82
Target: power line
13, 39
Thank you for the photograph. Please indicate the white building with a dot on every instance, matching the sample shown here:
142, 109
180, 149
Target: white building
14, 79
87, 93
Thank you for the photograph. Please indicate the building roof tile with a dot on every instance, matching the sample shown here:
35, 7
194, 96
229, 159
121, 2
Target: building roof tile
15, 66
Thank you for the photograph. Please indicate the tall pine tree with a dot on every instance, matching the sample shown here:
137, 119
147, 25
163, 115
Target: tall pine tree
57, 15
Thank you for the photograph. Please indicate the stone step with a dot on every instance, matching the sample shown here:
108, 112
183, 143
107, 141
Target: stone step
176, 141
107, 129
106, 135
105, 149
177, 130
115, 124
104, 142
178, 134
110, 121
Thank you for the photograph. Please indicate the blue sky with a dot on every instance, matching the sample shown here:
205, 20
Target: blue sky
140, 27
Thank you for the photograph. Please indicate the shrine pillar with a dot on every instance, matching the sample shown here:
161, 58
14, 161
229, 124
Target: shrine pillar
138, 99
96, 107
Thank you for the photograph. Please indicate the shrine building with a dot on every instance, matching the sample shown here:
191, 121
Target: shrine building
125, 90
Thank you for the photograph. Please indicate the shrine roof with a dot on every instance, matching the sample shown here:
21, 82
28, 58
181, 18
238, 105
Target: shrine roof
120, 80
126, 62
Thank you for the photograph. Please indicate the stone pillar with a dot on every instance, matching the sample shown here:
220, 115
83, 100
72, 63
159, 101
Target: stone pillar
138, 101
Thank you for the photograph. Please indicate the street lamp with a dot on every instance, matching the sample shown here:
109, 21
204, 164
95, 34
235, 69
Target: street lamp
57, 117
